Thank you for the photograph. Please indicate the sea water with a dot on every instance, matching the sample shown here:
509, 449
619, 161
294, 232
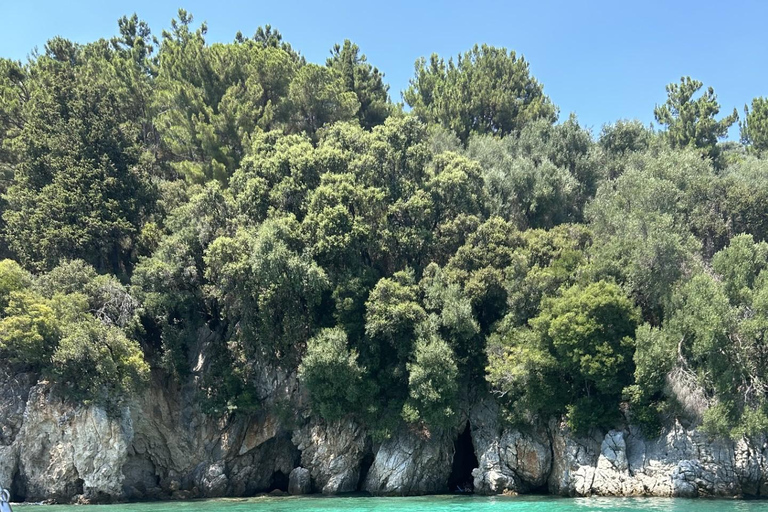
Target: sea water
421, 504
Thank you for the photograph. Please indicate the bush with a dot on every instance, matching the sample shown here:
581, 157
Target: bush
576, 357
332, 375
107, 298
96, 363
13, 278
29, 332
432, 384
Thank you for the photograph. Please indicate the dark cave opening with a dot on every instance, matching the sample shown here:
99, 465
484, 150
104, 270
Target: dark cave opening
79, 486
464, 461
279, 482
365, 467
18, 488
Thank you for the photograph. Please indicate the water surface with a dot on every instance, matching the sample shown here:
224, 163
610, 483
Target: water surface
421, 504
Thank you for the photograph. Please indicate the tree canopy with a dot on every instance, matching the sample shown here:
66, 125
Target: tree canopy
485, 90
691, 122
216, 214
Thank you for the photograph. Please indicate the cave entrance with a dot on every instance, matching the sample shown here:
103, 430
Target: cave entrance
279, 482
365, 467
18, 488
464, 461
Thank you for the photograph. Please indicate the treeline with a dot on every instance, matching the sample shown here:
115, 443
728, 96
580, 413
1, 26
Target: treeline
166, 197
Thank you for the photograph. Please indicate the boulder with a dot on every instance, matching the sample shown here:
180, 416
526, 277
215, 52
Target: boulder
299, 481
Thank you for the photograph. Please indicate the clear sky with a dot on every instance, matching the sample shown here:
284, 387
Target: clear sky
604, 60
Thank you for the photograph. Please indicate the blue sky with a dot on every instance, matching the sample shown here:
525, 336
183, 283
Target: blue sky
603, 60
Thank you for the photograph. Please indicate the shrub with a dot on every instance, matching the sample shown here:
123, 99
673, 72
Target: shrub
331, 373
96, 363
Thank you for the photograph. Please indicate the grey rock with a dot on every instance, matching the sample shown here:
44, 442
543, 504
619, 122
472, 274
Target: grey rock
176, 447
681, 462
65, 452
508, 459
333, 453
162, 445
574, 461
15, 391
411, 463
215, 480
9, 464
299, 481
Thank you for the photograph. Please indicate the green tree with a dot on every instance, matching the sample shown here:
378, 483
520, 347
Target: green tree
107, 299
29, 330
523, 374
331, 372
269, 290
708, 359
97, 363
452, 319
591, 329
702, 323
455, 185
581, 345
691, 122
542, 177
366, 81
486, 266
432, 380
554, 259
486, 90
393, 313
82, 183
744, 197
621, 139
269, 37
170, 284
625, 136
754, 127
529, 193
643, 222
739, 265
13, 95
277, 175
13, 278
210, 99
316, 97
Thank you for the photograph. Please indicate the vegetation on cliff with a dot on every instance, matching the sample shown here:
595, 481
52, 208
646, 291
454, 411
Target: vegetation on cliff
160, 190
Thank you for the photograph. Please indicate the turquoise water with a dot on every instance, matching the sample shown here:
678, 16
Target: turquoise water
426, 504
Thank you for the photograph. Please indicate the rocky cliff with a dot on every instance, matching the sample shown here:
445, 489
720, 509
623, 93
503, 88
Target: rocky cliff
162, 446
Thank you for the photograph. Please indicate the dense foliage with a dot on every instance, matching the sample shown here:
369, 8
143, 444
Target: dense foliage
215, 212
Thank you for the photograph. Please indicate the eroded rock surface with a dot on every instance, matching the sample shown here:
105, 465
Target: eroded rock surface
162, 445
179, 451
412, 462
508, 459
65, 452
300, 481
681, 462
15, 391
333, 453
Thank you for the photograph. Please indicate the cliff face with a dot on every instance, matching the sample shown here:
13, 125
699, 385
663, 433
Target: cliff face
162, 446
680, 462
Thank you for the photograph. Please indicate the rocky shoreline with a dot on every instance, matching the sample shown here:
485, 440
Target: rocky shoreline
162, 447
